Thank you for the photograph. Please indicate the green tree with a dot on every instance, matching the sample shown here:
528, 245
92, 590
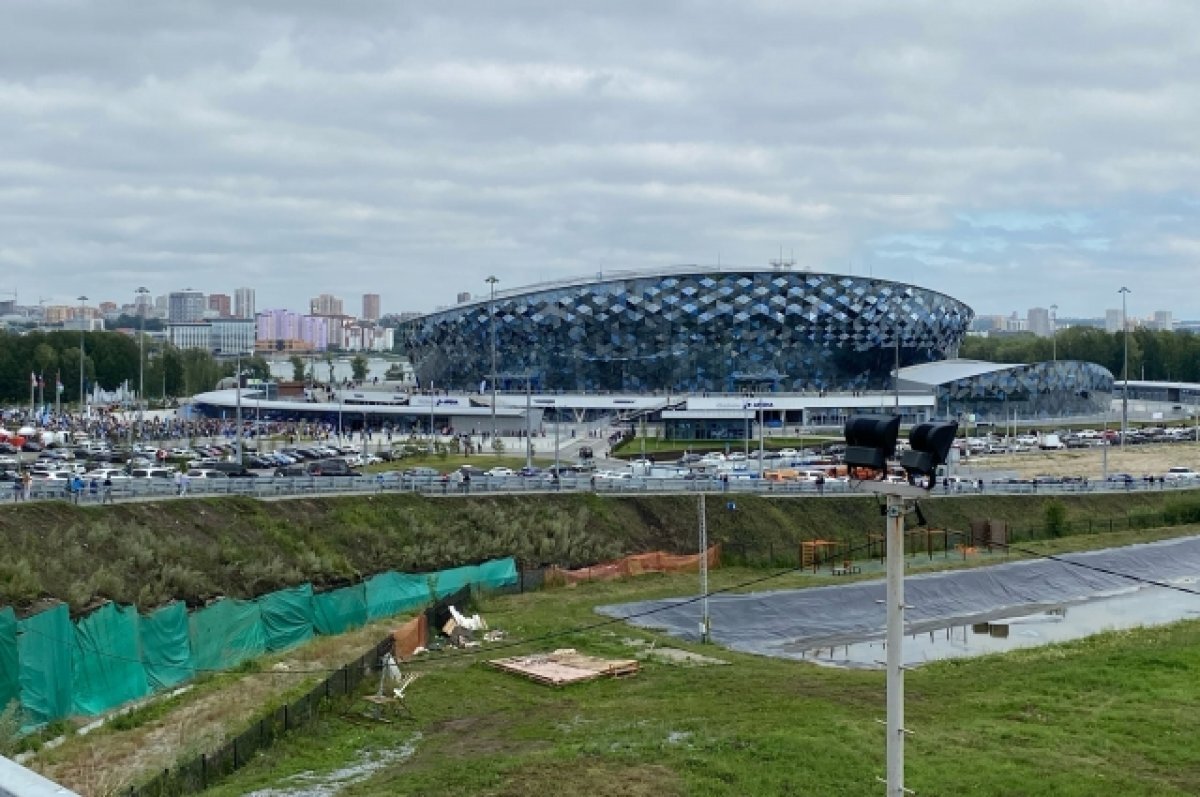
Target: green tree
297, 367
45, 359
359, 366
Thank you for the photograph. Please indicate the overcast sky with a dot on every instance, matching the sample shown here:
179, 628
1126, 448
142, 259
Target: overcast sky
1011, 154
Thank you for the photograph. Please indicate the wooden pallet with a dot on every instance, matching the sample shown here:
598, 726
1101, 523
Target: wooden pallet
564, 667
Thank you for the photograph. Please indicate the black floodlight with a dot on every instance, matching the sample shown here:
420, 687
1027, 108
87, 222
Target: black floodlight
871, 440
929, 446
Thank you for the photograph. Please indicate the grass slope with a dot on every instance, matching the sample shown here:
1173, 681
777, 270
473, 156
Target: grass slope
150, 553
1114, 714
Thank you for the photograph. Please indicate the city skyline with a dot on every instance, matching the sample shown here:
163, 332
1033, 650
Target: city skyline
1013, 155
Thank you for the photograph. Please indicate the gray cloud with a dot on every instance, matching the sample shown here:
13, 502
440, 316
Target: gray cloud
1010, 154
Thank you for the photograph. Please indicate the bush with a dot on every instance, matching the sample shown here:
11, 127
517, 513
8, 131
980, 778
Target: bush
1055, 515
1182, 510
10, 729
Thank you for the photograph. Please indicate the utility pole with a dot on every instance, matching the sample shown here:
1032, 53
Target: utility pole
238, 376
705, 622
1124, 370
82, 392
141, 305
895, 647
528, 422
491, 281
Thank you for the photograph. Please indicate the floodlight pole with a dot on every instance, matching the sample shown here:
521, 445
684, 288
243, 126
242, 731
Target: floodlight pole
705, 623
895, 646
1124, 370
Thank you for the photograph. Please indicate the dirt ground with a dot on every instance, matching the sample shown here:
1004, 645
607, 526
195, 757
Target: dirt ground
106, 761
1136, 460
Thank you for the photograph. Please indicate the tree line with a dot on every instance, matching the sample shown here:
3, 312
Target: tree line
110, 359
1153, 354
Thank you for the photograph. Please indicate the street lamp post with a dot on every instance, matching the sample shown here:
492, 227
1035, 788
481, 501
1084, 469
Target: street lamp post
237, 374
491, 281
82, 393
141, 292
1124, 369
1054, 332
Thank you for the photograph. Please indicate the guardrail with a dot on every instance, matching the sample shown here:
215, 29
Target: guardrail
267, 487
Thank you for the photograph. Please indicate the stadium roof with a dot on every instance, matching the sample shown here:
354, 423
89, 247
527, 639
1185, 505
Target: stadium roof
940, 373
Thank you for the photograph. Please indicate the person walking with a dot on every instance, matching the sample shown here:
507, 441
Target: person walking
27, 485
108, 496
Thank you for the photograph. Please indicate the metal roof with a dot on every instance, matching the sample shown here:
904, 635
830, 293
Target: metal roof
940, 373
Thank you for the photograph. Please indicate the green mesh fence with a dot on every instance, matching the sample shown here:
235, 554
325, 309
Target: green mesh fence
451, 581
339, 610
113, 656
287, 617
227, 633
10, 676
392, 593
497, 573
44, 649
166, 647
106, 670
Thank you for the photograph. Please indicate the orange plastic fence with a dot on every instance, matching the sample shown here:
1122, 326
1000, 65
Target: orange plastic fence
634, 565
410, 636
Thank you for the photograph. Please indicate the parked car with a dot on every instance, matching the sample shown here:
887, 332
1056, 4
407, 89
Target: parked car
206, 473
152, 473
1181, 474
330, 467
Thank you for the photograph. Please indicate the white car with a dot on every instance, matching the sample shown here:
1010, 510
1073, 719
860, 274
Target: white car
113, 474
501, 473
206, 473
1181, 474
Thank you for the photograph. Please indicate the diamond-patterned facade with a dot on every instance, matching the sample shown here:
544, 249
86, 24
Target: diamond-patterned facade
695, 332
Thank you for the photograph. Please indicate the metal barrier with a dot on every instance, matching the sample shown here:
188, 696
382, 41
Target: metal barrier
392, 482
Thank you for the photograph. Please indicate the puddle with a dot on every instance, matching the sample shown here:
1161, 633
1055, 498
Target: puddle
1145, 607
329, 784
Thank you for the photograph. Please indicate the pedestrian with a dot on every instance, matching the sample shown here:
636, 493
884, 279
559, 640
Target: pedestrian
820, 484
184, 480
18, 488
179, 482
94, 489
27, 485
108, 496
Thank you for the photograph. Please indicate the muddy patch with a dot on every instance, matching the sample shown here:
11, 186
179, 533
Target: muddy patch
330, 784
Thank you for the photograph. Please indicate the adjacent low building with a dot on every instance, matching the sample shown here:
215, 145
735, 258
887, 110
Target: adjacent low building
996, 391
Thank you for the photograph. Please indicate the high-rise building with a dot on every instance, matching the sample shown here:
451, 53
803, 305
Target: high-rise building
283, 330
186, 306
1163, 320
232, 335
1112, 321
326, 304
220, 304
143, 305
370, 311
463, 297
243, 303
1038, 321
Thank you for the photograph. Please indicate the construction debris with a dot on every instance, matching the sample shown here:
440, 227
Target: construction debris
680, 657
566, 666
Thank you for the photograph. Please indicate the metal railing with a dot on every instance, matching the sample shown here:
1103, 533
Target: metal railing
267, 487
